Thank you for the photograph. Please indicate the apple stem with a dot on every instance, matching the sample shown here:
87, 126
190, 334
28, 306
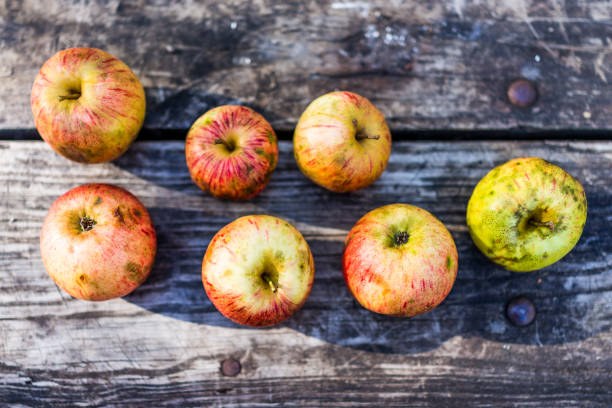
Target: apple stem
71, 95
267, 279
548, 224
361, 136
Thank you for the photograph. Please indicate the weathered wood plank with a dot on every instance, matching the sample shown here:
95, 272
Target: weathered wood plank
427, 65
162, 345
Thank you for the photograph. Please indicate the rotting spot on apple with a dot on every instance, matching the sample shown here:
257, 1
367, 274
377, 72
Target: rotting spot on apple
119, 215
82, 279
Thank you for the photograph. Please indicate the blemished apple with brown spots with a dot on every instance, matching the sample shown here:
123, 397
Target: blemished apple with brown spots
98, 242
526, 214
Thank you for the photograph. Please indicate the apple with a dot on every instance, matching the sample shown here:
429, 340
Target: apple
87, 105
258, 270
526, 214
399, 260
231, 152
342, 142
97, 242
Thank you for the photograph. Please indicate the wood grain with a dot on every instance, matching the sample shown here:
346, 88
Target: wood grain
437, 64
162, 345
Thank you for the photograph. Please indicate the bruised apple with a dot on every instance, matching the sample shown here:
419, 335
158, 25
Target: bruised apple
87, 105
97, 242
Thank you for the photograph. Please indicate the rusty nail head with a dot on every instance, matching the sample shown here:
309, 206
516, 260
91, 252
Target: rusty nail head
522, 93
230, 367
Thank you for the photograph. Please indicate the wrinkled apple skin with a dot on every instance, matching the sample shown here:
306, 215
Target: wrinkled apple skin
395, 274
231, 152
342, 142
87, 105
526, 214
112, 258
237, 261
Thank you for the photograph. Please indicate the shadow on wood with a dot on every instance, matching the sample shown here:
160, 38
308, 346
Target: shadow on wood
475, 306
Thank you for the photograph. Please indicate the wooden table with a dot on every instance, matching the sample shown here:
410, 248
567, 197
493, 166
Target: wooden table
439, 72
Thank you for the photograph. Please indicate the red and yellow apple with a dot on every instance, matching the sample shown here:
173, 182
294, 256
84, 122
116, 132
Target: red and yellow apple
97, 242
526, 214
399, 260
231, 152
342, 142
258, 270
87, 105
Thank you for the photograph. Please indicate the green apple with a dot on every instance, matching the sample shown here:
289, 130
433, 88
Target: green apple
526, 214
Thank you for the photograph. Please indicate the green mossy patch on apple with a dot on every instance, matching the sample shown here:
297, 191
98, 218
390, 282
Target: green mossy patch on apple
271, 138
449, 262
279, 256
134, 272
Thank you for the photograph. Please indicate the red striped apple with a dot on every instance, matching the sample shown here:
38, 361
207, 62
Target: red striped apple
258, 270
342, 142
526, 214
399, 260
87, 105
231, 152
98, 242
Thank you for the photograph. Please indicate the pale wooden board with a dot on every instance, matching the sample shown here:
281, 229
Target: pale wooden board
162, 345
436, 64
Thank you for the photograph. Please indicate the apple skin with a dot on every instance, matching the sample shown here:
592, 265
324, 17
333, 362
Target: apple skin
244, 257
231, 152
526, 214
396, 274
87, 105
342, 142
107, 261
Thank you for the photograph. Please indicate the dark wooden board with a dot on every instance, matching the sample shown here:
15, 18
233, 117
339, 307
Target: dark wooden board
436, 64
162, 345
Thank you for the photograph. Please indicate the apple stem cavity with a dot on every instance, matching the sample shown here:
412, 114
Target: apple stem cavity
72, 94
268, 280
87, 223
227, 143
360, 135
401, 237
548, 224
